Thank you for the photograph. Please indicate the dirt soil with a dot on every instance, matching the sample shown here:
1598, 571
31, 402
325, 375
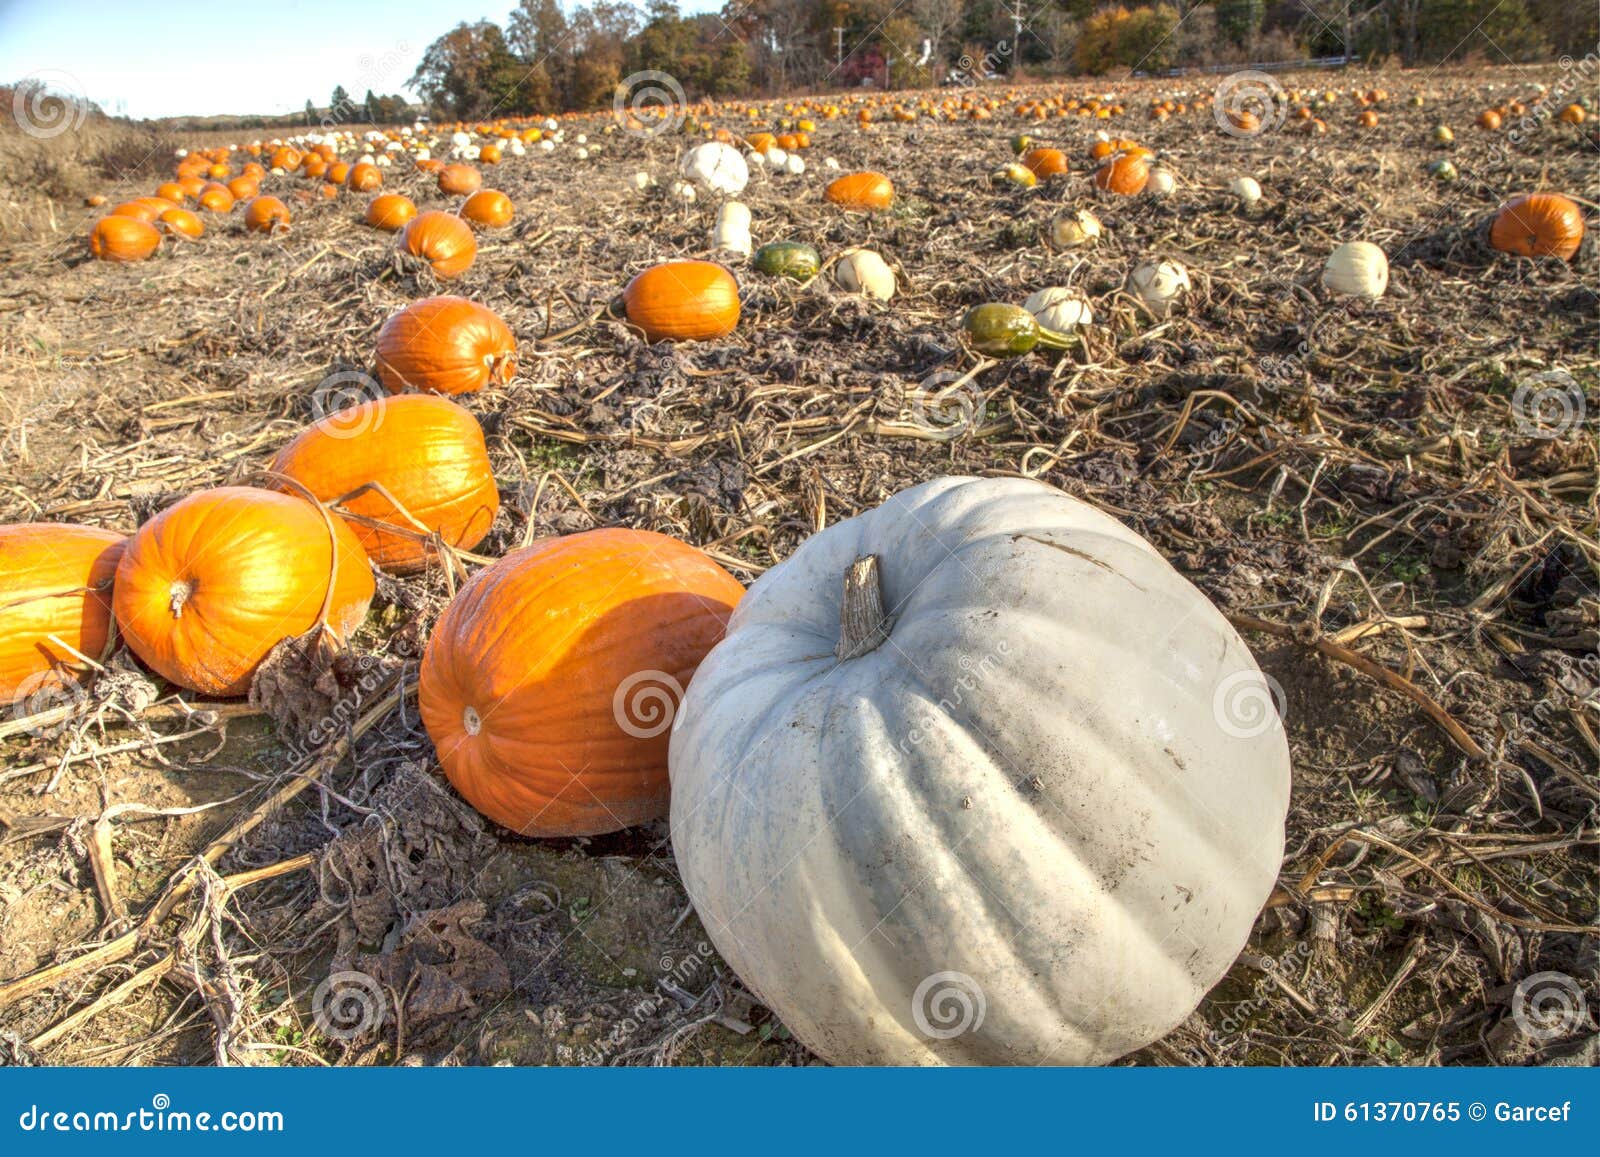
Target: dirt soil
1368, 488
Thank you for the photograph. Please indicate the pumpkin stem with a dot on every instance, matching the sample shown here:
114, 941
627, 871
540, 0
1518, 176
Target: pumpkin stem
863, 625
179, 594
472, 721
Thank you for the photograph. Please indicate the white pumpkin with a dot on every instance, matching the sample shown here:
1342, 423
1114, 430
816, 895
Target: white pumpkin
1357, 269
1028, 819
1247, 189
1072, 230
716, 167
732, 230
1059, 308
1160, 285
863, 271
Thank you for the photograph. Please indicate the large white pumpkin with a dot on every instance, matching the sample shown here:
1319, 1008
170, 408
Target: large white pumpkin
1031, 824
717, 167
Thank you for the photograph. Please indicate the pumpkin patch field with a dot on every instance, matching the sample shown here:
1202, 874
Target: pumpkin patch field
1070, 573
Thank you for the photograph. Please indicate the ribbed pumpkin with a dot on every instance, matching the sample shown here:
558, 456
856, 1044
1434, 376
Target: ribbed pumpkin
443, 240
445, 345
243, 188
182, 223
143, 208
171, 191
488, 207
266, 215
683, 301
1538, 225
1044, 163
209, 586
459, 180
390, 211
54, 581
1125, 174
123, 239
550, 683
428, 455
865, 192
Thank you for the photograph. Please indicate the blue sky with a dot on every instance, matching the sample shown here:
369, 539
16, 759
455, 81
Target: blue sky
155, 58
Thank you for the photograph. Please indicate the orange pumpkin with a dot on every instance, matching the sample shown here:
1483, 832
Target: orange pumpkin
390, 211
143, 208
266, 215
216, 198
1125, 174
550, 683
1046, 163
171, 191
443, 240
489, 154
1489, 119
364, 178
459, 180
445, 345
427, 454
117, 238
182, 223
243, 188
864, 192
209, 586
488, 207
683, 301
55, 582
1572, 114
338, 173
1538, 225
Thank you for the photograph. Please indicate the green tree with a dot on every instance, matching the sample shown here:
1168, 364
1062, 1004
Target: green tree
1240, 20
339, 106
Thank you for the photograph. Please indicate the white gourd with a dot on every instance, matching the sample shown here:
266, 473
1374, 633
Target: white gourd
1059, 308
1357, 269
1044, 799
1160, 285
865, 272
716, 167
732, 230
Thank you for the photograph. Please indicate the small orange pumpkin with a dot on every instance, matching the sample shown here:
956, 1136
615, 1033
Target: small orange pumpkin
390, 211
1489, 119
1572, 114
364, 178
864, 192
55, 584
683, 301
1538, 225
266, 215
1043, 163
551, 680
117, 238
243, 188
488, 207
216, 198
182, 223
445, 345
209, 586
171, 191
441, 239
459, 180
427, 454
1125, 174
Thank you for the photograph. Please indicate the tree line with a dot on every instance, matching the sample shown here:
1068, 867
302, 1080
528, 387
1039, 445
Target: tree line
548, 59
